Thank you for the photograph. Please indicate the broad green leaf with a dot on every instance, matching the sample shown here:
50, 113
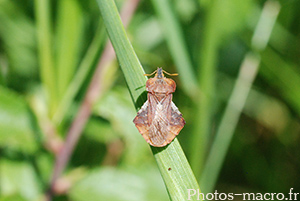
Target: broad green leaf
44, 164
16, 123
100, 130
14, 197
116, 106
19, 178
17, 33
119, 185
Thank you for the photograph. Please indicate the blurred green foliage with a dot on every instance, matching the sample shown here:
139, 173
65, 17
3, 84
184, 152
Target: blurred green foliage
46, 45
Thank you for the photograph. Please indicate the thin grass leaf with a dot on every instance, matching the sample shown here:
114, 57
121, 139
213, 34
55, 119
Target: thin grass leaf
180, 177
223, 18
283, 76
175, 170
229, 122
47, 72
2, 75
177, 47
208, 54
69, 28
85, 67
234, 108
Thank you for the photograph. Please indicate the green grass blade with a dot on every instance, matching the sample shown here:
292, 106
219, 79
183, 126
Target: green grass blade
229, 122
85, 67
2, 76
69, 28
207, 73
47, 72
283, 76
126, 56
175, 40
236, 102
180, 177
175, 170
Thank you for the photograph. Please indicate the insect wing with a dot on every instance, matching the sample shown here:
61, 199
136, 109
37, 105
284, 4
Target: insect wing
159, 134
176, 122
141, 121
170, 124
153, 103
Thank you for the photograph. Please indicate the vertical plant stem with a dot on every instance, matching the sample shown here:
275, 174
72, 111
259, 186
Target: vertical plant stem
44, 35
246, 76
207, 65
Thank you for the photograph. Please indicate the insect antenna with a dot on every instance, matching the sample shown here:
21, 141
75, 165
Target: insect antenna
150, 74
173, 74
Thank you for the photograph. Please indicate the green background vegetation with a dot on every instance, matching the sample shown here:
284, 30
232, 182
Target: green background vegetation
238, 89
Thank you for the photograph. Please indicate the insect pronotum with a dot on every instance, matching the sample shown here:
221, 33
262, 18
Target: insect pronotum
159, 120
